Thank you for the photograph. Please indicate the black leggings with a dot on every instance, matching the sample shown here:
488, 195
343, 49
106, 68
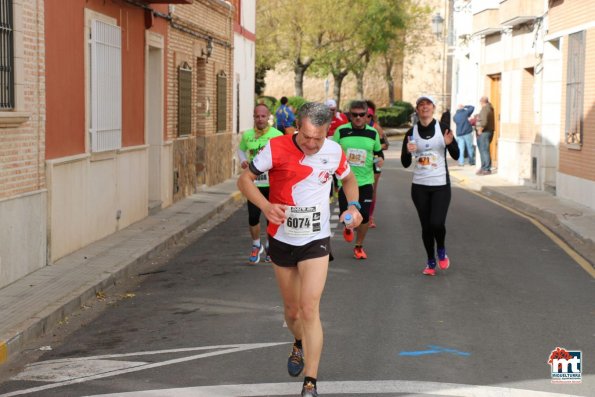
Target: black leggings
254, 211
432, 204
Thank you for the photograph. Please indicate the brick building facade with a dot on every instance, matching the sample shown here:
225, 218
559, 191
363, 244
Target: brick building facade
23, 194
199, 72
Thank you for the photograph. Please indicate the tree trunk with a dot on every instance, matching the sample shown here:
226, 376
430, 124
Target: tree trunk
360, 84
338, 81
300, 70
299, 80
388, 77
391, 92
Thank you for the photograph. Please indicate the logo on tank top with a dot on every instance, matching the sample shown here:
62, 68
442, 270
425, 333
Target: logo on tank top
324, 177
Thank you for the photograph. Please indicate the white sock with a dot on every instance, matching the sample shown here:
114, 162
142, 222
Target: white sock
256, 243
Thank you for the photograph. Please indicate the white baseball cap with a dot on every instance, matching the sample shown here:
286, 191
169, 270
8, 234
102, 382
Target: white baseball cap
331, 103
426, 98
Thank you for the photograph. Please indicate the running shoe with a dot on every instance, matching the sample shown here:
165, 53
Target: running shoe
430, 269
443, 260
267, 257
348, 234
255, 255
309, 390
359, 253
295, 362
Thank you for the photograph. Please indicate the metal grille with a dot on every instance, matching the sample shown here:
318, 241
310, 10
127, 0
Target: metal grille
221, 102
184, 99
575, 88
6, 56
106, 87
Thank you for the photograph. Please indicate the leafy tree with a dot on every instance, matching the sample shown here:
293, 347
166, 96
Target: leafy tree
290, 31
364, 30
407, 37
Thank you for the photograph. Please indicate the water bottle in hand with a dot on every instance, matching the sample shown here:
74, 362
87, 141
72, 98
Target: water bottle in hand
412, 142
347, 219
376, 160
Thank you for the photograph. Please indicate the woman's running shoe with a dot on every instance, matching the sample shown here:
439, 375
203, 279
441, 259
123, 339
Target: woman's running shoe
430, 269
443, 260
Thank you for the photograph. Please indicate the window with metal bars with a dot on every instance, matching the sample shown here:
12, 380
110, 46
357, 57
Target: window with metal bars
575, 89
6, 56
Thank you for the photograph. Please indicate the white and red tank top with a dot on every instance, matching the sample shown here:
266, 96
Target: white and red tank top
302, 182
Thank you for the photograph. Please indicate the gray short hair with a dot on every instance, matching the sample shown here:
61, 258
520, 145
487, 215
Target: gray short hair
318, 113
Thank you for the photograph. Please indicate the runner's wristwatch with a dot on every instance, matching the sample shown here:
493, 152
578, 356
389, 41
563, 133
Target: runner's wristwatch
356, 204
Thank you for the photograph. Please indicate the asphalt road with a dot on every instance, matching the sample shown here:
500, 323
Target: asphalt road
206, 320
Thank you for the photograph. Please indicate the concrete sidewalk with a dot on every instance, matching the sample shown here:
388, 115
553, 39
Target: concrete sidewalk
35, 304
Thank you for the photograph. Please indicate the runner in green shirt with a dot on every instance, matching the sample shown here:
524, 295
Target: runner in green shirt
361, 144
252, 142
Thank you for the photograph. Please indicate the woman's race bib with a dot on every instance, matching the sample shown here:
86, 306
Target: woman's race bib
302, 221
427, 160
356, 157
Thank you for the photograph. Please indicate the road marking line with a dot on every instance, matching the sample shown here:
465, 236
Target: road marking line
434, 350
582, 262
228, 349
3, 352
341, 388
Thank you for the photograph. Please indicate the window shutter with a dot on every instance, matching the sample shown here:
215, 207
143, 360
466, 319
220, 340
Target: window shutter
6, 56
106, 87
575, 87
221, 102
184, 99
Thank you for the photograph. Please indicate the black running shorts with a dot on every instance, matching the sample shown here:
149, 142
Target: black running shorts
287, 255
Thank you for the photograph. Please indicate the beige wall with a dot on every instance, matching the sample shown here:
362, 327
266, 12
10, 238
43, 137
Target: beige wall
92, 196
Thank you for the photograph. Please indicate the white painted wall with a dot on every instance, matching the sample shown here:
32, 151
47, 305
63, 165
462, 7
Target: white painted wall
22, 236
579, 190
244, 58
478, 6
244, 69
88, 194
546, 150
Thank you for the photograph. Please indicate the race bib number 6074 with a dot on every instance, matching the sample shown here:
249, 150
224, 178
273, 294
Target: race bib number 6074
302, 221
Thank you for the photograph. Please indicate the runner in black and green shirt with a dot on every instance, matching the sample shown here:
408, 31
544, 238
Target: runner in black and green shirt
361, 144
252, 142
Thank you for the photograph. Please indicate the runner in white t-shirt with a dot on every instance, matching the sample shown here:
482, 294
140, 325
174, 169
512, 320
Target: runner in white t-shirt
300, 171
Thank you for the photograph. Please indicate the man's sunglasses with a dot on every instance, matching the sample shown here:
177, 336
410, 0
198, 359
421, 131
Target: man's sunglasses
362, 114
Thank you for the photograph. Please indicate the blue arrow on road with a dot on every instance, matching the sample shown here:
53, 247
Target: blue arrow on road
433, 349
